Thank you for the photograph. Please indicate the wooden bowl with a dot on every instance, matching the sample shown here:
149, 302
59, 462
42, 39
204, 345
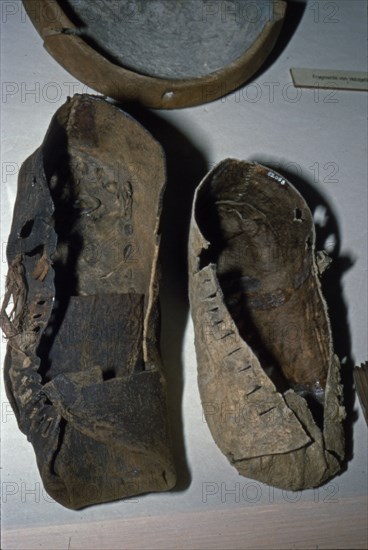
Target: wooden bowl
163, 54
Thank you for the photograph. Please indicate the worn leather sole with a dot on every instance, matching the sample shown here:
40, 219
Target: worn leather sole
267, 374
82, 369
163, 54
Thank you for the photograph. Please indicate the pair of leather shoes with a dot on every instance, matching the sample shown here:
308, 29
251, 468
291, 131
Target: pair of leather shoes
83, 370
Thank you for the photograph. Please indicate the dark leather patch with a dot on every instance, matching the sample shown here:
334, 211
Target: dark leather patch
104, 330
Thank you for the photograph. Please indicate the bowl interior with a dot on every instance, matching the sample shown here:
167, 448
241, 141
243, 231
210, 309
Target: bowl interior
173, 39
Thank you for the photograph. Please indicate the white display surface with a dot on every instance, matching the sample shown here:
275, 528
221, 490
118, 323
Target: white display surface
317, 138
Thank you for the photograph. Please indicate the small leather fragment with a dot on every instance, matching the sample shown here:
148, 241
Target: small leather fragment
361, 385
